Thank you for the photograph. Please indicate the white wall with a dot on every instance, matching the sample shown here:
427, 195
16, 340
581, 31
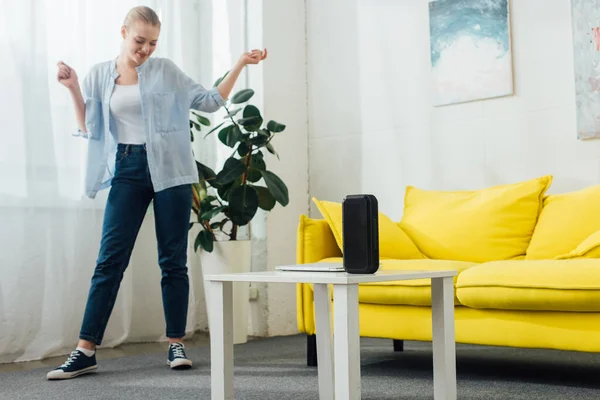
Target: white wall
372, 127
284, 79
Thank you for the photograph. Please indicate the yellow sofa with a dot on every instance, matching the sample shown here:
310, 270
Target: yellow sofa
528, 264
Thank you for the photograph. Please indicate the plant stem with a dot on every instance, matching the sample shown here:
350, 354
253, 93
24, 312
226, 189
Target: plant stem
230, 117
248, 157
206, 225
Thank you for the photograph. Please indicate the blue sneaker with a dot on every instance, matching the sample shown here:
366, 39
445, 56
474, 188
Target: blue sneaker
77, 364
177, 358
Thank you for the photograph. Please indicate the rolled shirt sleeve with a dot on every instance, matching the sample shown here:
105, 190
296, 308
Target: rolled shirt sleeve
200, 98
85, 93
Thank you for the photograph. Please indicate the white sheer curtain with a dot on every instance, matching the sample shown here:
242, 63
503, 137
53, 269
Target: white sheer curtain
49, 232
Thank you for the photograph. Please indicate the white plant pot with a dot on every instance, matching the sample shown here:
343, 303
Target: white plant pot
231, 256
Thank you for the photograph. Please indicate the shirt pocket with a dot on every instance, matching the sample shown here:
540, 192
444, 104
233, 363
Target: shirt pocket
170, 112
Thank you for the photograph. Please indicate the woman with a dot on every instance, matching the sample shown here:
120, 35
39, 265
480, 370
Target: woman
134, 112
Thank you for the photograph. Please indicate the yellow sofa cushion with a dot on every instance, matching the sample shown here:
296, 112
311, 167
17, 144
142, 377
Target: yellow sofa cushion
393, 242
416, 292
566, 220
490, 224
314, 240
589, 248
534, 285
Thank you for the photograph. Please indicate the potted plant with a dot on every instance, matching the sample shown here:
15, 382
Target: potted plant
229, 198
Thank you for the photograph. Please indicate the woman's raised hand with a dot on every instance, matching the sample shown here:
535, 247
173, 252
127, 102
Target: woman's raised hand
67, 75
254, 56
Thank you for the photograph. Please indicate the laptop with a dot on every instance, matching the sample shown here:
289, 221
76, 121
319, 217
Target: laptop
313, 267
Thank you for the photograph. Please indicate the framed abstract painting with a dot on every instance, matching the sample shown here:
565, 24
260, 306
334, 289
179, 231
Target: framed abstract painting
470, 46
586, 62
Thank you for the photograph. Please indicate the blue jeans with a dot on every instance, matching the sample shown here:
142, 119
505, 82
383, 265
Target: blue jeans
128, 201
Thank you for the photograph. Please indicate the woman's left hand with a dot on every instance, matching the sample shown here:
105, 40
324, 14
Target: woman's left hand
253, 57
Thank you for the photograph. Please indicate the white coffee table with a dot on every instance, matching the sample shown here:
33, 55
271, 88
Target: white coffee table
338, 366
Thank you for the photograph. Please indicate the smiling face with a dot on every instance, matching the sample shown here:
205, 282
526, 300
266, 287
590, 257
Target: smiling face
139, 41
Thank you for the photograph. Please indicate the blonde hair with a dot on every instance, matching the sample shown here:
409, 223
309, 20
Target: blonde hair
141, 13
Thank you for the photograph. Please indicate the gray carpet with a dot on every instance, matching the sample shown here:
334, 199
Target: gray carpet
275, 368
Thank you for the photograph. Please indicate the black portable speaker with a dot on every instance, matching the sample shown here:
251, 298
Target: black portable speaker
360, 234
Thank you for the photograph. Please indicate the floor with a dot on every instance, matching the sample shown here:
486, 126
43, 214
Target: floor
132, 349
275, 368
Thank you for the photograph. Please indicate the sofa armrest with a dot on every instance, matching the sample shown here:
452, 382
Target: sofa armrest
315, 242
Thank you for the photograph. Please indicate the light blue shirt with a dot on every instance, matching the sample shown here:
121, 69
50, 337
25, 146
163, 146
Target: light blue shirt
167, 94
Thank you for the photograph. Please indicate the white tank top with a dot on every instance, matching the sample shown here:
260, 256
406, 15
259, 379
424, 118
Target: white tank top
126, 112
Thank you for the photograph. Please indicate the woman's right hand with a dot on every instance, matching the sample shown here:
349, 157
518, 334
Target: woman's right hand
67, 76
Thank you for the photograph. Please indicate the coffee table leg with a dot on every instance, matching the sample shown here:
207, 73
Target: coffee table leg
444, 348
346, 338
221, 340
324, 349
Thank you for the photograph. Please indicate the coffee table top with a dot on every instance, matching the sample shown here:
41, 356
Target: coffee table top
342, 278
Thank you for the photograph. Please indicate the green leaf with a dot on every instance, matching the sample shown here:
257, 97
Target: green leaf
213, 213
232, 170
251, 111
209, 199
230, 135
254, 175
277, 188
206, 173
218, 81
271, 149
197, 242
223, 191
252, 120
243, 203
266, 201
233, 113
204, 208
235, 136
259, 141
264, 132
202, 120
258, 162
224, 135
214, 129
243, 149
275, 126
205, 239
220, 224
242, 96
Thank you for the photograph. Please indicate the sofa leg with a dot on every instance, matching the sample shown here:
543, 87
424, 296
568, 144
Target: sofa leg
311, 350
398, 345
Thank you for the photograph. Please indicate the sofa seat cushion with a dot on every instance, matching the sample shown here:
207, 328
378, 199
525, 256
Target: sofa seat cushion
533, 285
416, 292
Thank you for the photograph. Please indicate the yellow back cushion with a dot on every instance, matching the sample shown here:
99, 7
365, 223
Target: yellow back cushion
490, 224
393, 242
589, 248
565, 222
